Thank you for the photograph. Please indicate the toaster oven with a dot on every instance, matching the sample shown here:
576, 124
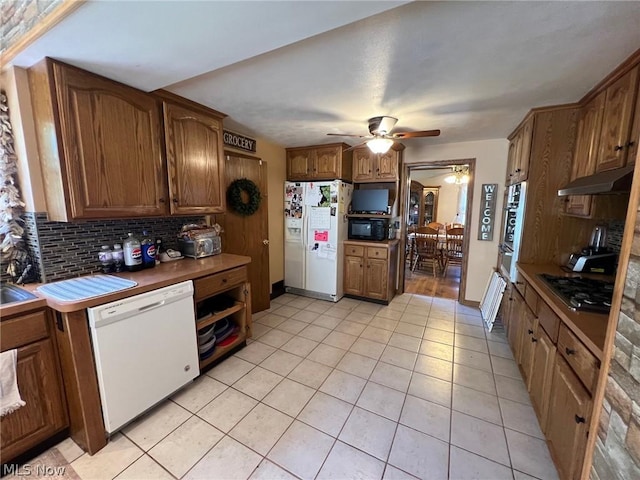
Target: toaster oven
201, 246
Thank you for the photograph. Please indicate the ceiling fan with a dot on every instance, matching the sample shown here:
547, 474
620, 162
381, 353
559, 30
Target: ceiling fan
380, 137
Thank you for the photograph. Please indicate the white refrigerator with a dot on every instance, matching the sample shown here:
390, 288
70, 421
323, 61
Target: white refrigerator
315, 226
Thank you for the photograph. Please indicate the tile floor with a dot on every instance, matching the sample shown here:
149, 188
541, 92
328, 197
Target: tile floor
417, 389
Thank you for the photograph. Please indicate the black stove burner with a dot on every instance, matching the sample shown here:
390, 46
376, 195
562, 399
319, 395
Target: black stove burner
581, 293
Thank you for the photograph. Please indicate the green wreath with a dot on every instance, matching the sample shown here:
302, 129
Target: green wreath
234, 196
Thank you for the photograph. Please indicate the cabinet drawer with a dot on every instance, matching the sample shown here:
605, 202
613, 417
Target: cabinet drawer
521, 286
376, 252
207, 286
23, 330
583, 362
532, 299
549, 321
354, 250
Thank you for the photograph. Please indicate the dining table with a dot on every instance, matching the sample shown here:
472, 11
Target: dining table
442, 246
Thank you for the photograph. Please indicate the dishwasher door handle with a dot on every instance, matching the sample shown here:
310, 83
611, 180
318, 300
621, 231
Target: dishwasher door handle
151, 305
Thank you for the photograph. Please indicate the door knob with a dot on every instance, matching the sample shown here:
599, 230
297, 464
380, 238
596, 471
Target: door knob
266, 242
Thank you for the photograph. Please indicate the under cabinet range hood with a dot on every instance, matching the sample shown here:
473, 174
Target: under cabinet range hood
608, 182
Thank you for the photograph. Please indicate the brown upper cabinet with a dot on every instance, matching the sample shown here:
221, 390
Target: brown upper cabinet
374, 167
634, 138
615, 140
520, 152
194, 158
320, 162
102, 148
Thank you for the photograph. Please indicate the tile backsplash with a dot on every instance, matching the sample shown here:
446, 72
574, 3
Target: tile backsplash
64, 250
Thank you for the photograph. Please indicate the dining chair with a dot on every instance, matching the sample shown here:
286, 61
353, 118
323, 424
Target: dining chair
435, 225
427, 248
453, 249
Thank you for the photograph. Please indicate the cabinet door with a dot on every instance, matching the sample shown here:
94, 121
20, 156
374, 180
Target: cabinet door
504, 312
364, 165
376, 278
584, 158
327, 164
528, 341
387, 168
521, 172
195, 160
516, 322
512, 160
111, 136
353, 275
45, 411
300, 164
542, 368
616, 122
634, 137
568, 420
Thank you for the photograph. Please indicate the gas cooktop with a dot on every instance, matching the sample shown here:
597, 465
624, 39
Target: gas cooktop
579, 293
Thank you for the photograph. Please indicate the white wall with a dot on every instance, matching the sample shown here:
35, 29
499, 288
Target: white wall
491, 166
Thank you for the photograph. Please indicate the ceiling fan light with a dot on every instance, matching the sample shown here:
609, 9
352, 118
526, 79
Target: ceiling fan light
450, 179
380, 145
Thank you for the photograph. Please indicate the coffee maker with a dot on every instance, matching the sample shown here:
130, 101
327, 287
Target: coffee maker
595, 258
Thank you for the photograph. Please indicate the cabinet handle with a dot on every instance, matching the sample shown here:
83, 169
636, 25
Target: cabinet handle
224, 280
175, 200
569, 351
618, 148
530, 332
519, 283
631, 143
534, 339
161, 200
518, 170
579, 419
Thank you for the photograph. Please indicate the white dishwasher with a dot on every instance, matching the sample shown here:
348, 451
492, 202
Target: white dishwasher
145, 349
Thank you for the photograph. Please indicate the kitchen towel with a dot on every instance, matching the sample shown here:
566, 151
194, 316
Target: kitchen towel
9, 394
85, 287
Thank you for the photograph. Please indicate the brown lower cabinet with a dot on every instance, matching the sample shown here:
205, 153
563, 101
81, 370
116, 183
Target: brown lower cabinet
370, 269
39, 382
529, 326
541, 372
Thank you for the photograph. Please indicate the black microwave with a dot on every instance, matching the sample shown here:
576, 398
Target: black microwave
368, 229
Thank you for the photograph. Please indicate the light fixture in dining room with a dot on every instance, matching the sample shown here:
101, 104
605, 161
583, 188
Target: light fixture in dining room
459, 175
379, 144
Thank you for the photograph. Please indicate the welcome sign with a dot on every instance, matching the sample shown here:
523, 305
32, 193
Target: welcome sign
487, 211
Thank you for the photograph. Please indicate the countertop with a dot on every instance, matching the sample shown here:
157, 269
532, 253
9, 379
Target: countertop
589, 327
150, 279
15, 308
371, 243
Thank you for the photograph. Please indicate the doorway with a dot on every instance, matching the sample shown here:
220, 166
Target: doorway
249, 235
435, 227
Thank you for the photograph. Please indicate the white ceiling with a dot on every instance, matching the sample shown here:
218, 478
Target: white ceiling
293, 71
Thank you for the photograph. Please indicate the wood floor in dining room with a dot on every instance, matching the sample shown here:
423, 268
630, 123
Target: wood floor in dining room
424, 283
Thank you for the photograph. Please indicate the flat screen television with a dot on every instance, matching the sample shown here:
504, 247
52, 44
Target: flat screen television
370, 201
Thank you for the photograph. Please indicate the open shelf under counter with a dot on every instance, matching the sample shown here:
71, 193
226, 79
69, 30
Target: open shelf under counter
222, 351
206, 321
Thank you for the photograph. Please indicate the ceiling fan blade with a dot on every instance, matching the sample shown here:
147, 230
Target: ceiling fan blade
347, 135
423, 133
355, 146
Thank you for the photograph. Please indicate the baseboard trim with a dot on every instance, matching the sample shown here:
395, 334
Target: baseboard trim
277, 289
470, 303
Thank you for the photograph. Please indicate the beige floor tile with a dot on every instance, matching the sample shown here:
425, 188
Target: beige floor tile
434, 367
497, 335
391, 376
336, 312
276, 338
343, 386
326, 355
299, 346
475, 320
300, 302
302, 450
410, 329
315, 333
268, 470
482, 438
358, 365
327, 321
512, 389
156, 424
422, 310
406, 342
471, 343
228, 458
393, 473
388, 313
200, 392
437, 350
346, 462
443, 314
419, 319
340, 340
185, 446
368, 348
530, 455
227, 409
229, 371
292, 326
349, 328
259, 329
441, 324
258, 383
385, 323
286, 311
477, 404
500, 350
119, 454
284, 299
399, 357
470, 330
311, 374
69, 450
404, 298
256, 352
369, 432
145, 468
319, 306
420, 454
261, 428
375, 334
271, 320
466, 310
348, 303
439, 336
480, 380
366, 307
305, 316
427, 417
281, 362
359, 317
431, 389
472, 359
505, 367
398, 307
326, 413
520, 417
420, 300
465, 465
289, 397
382, 400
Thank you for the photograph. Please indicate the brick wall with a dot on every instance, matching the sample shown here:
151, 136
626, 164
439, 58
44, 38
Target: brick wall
17, 17
617, 453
